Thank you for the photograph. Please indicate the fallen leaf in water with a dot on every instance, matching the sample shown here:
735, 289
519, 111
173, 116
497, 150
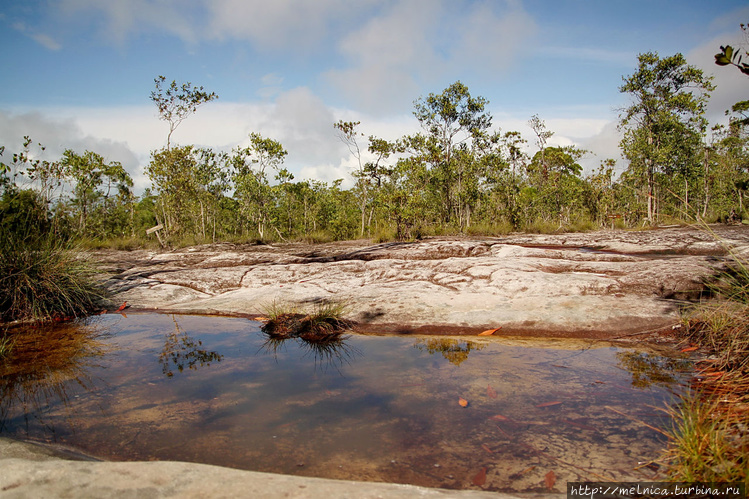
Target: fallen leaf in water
463, 402
480, 478
499, 417
487, 448
548, 404
261, 319
490, 392
519, 474
689, 349
489, 332
550, 479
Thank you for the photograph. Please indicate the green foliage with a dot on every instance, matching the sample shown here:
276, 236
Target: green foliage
729, 56
101, 195
663, 129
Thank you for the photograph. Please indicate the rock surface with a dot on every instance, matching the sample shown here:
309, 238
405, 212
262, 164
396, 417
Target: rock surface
29, 470
598, 284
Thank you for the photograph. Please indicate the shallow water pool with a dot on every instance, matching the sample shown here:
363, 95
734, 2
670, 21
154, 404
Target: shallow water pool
453, 412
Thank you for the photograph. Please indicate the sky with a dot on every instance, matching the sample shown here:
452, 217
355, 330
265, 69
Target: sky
78, 74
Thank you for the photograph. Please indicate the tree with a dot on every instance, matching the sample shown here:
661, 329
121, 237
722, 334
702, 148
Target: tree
348, 134
177, 102
173, 173
542, 136
252, 189
452, 120
93, 183
663, 125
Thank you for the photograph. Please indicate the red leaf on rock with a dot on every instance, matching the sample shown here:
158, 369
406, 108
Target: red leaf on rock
480, 478
548, 404
463, 402
489, 332
499, 417
490, 392
689, 349
122, 307
550, 479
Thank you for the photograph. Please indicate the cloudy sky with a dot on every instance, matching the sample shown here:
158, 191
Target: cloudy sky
78, 73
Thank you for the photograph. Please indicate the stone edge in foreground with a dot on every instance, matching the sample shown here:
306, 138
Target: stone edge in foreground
30, 470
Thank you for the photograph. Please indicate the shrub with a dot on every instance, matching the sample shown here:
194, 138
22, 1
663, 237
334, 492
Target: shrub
43, 278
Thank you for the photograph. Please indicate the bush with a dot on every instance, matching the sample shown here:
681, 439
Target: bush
43, 278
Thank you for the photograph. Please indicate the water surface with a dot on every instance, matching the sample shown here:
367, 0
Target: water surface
380, 408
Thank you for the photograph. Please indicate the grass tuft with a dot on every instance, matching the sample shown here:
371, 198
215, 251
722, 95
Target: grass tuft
707, 444
325, 322
42, 278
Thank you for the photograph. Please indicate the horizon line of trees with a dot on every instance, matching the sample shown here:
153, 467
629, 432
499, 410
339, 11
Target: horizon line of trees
458, 174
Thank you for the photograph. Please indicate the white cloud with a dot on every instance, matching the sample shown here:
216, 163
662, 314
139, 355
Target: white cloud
124, 18
57, 134
297, 24
41, 38
422, 42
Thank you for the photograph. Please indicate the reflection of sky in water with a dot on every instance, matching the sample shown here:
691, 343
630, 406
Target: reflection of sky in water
382, 408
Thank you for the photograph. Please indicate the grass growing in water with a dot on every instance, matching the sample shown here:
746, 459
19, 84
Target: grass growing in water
43, 278
324, 322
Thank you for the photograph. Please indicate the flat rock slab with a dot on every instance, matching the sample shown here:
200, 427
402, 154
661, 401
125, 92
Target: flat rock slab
598, 284
30, 470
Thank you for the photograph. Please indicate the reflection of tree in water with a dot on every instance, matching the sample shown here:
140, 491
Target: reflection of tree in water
455, 351
46, 364
183, 351
650, 370
331, 351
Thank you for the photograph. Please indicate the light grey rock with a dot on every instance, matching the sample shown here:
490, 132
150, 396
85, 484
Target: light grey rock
597, 284
28, 470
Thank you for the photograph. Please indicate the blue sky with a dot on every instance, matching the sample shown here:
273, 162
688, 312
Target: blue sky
78, 73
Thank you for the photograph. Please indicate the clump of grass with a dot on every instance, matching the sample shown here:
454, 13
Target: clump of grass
325, 322
42, 278
710, 438
706, 443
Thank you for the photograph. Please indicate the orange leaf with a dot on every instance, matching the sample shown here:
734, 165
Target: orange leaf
487, 448
550, 479
480, 478
499, 417
122, 307
489, 332
547, 404
689, 349
463, 402
260, 319
490, 392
